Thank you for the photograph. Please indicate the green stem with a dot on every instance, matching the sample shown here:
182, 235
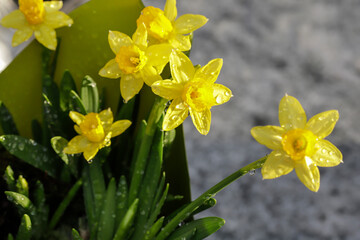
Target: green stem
144, 149
183, 214
64, 204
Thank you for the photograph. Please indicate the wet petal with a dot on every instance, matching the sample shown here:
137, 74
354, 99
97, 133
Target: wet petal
158, 55
76, 117
130, 86
210, 71
278, 163
182, 69
181, 42
53, 6
270, 136
58, 19
140, 36
170, 10
77, 145
327, 155
167, 89
175, 114
91, 152
308, 173
119, 127
188, 23
117, 40
21, 35
291, 113
149, 75
221, 94
201, 120
111, 70
323, 123
46, 36
15, 19
77, 129
106, 118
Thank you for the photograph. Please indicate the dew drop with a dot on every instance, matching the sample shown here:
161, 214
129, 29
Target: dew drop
252, 172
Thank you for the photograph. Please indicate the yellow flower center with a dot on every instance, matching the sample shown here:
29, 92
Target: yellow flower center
199, 95
157, 24
33, 10
299, 143
91, 128
130, 59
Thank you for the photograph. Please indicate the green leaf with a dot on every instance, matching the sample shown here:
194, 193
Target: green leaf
198, 229
209, 203
89, 202
24, 232
150, 234
107, 217
32, 153
22, 201
42, 210
22, 186
149, 186
77, 103
76, 235
64, 204
51, 90
127, 221
89, 94
9, 178
158, 206
10, 237
6, 120
52, 121
121, 199
67, 85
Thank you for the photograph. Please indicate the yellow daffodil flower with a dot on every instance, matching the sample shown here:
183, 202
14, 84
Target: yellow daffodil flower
163, 28
299, 143
134, 62
191, 90
95, 131
38, 17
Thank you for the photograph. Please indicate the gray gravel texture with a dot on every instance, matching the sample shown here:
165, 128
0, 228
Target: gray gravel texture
307, 49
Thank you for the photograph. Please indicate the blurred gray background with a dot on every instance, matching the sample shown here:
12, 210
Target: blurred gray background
307, 49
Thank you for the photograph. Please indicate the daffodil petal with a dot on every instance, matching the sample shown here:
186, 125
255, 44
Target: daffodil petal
322, 124
308, 173
291, 113
77, 129
270, 136
15, 19
327, 155
278, 163
91, 152
175, 114
21, 35
46, 36
201, 120
52, 6
130, 86
119, 127
106, 118
210, 71
77, 145
118, 40
170, 10
167, 89
181, 42
111, 70
58, 19
182, 69
76, 117
188, 23
140, 36
149, 75
221, 94
158, 55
